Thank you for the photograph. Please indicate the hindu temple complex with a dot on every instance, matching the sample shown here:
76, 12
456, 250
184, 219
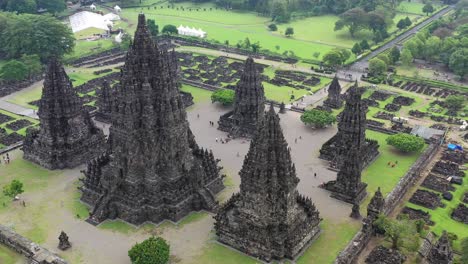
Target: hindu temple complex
268, 218
67, 137
441, 252
351, 133
249, 104
334, 99
154, 170
103, 102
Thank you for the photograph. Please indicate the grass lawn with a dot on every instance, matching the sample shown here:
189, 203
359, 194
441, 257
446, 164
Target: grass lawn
22, 131
8, 256
414, 7
199, 95
85, 48
26, 96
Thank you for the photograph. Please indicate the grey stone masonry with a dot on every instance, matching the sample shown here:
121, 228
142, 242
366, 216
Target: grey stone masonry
67, 137
334, 99
153, 169
268, 218
249, 104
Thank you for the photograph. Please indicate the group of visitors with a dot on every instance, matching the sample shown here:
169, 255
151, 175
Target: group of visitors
6, 159
391, 164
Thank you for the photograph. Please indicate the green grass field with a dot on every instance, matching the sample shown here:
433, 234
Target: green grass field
8, 256
414, 7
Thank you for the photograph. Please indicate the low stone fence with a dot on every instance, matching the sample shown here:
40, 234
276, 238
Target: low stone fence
350, 254
7, 88
382, 129
32, 251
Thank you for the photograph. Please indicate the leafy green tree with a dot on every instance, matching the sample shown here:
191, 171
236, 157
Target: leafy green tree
405, 142
279, 12
13, 189
21, 6
364, 45
385, 58
356, 49
400, 232
33, 64
153, 250
170, 30
406, 57
455, 102
52, 6
394, 55
318, 118
152, 27
272, 27
246, 44
354, 19
289, 32
13, 70
316, 54
377, 67
432, 48
29, 34
224, 96
333, 58
428, 8
458, 62
401, 24
255, 47
408, 22
126, 41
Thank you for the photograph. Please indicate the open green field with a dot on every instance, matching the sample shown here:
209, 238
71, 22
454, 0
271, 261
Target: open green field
414, 7
8, 256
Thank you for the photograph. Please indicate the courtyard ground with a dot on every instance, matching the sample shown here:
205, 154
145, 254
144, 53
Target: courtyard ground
52, 200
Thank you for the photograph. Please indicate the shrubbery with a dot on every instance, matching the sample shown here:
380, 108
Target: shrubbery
153, 250
224, 96
406, 142
317, 118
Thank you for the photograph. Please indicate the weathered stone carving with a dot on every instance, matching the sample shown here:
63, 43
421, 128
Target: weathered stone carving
351, 133
154, 169
383, 255
64, 244
441, 252
67, 137
334, 99
249, 104
268, 218
103, 102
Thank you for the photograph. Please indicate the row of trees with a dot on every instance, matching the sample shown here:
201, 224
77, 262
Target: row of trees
31, 6
357, 19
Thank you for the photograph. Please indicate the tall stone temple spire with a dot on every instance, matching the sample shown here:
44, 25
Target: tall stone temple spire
249, 104
67, 136
268, 218
351, 133
334, 99
154, 169
441, 252
103, 102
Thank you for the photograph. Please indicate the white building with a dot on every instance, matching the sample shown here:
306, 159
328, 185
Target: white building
187, 31
85, 19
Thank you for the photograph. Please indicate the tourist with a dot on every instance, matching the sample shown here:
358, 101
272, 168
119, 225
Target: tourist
216, 140
198, 116
315, 174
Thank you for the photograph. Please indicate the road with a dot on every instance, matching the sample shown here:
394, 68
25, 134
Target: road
359, 66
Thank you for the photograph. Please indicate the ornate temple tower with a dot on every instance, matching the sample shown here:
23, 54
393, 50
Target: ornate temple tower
334, 99
351, 133
268, 218
376, 205
348, 186
67, 136
154, 169
441, 252
249, 104
103, 102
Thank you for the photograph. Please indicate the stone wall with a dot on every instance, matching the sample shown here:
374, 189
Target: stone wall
361, 239
32, 251
10, 87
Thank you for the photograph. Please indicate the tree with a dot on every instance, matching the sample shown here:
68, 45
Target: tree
29, 34
333, 58
408, 22
401, 24
33, 64
394, 55
52, 6
377, 67
246, 44
152, 27
458, 62
289, 32
21, 6
385, 58
13, 189
169, 30
364, 45
126, 41
455, 102
224, 96
354, 19
272, 27
405, 142
255, 47
318, 118
13, 70
153, 250
432, 48
356, 49
400, 232
406, 57
316, 54
279, 12
428, 8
